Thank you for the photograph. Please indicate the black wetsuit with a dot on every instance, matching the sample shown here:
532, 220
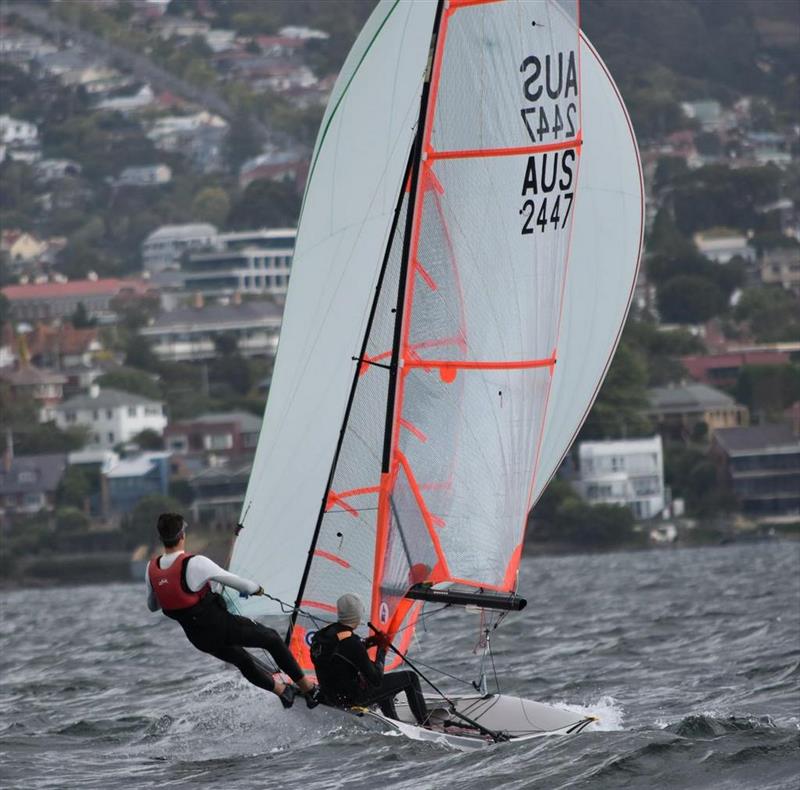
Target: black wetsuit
210, 627
347, 676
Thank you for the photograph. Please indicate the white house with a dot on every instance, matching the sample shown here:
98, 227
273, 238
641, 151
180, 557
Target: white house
624, 472
111, 416
145, 176
165, 245
15, 132
722, 245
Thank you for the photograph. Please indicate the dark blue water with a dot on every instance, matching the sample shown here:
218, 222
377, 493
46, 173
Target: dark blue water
691, 658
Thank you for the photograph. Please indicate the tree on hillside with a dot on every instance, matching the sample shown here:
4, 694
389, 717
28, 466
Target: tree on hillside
211, 205
618, 410
688, 299
771, 313
131, 380
140, 526
266, 204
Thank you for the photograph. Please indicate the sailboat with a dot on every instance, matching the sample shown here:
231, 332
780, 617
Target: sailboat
469, 240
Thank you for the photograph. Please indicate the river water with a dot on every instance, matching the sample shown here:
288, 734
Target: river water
691, 658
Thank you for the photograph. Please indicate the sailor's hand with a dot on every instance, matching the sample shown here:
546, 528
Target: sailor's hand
260, 591
379, 640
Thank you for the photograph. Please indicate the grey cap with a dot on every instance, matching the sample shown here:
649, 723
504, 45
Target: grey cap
350, 610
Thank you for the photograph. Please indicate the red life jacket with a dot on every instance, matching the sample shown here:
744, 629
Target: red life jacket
170, 587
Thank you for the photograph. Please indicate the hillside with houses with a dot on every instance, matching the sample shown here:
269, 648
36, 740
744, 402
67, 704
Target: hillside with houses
153, 156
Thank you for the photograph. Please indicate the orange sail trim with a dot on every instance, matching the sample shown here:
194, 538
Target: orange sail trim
334, 499
332, 557
381, 541
412, 429
429, 281
299, 647
416, 362
440, 571
522, 150
456, 4
358, 492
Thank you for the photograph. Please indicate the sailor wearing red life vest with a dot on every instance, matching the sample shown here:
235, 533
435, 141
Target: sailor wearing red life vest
180, 585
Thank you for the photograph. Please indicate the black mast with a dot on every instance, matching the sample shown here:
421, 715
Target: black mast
412, 172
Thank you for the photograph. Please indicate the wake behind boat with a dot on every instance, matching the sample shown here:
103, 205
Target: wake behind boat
467, 249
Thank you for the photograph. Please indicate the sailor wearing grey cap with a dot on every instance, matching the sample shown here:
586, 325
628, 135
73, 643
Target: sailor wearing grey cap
180, 585
346, 674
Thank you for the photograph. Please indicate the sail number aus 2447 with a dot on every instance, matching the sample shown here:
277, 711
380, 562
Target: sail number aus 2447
549, 83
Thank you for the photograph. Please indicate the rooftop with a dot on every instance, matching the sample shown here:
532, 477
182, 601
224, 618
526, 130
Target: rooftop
137, 466
214, 315
189, 231
758, 439
33, 473
108, 286
108, 399
688, 397
30, 376
648, 444
248, 423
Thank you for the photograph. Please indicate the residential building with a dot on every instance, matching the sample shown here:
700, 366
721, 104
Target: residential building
29, 384
188, 333
721, 245
165, 245
21, 246
48, 170
219, 492
678, 409
28, 484
96, 464
626, 472
781, 266
227, 434
199, 137
145, 176
762, 466
253, 262
55, 300
708, 112
62, 346
15, 132
721, 369
288, 166
136, 477
143, 97
111, 416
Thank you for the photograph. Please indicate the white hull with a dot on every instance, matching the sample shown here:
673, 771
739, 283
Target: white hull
518, 719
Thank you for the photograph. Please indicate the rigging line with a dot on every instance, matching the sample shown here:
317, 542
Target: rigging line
495, 735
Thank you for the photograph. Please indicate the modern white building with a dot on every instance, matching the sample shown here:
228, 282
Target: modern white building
251, 262
721, 246
112, 416
165, 245
624, 472
16, 132
145, 176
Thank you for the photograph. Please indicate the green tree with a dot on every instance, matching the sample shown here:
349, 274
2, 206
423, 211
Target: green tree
148, 439
266, 204
131, 380
73, 488
139, 354
71, 519
80, 318
211, 205
768, 390
618, 410
140, 525
771, 313
689, 299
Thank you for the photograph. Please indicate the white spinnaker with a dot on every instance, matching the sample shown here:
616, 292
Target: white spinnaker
356, 176
604, 260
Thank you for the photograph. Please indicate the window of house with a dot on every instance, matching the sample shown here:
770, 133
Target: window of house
95, 415
131, 411
178, 444
110, 414
111, 436
69, 416
220, 441
97, 438
26, 477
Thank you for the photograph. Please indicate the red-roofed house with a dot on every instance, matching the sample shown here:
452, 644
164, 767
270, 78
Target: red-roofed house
723, 368
47, 301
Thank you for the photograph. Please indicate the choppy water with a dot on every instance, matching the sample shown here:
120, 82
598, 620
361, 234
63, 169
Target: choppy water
691, 658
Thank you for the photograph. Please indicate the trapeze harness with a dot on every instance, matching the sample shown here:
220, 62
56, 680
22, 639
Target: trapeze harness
171, 589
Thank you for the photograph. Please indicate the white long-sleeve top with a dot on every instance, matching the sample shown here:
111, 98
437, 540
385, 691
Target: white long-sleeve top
199, 570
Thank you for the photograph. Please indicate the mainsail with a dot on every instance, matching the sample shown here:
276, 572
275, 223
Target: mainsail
447, 329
